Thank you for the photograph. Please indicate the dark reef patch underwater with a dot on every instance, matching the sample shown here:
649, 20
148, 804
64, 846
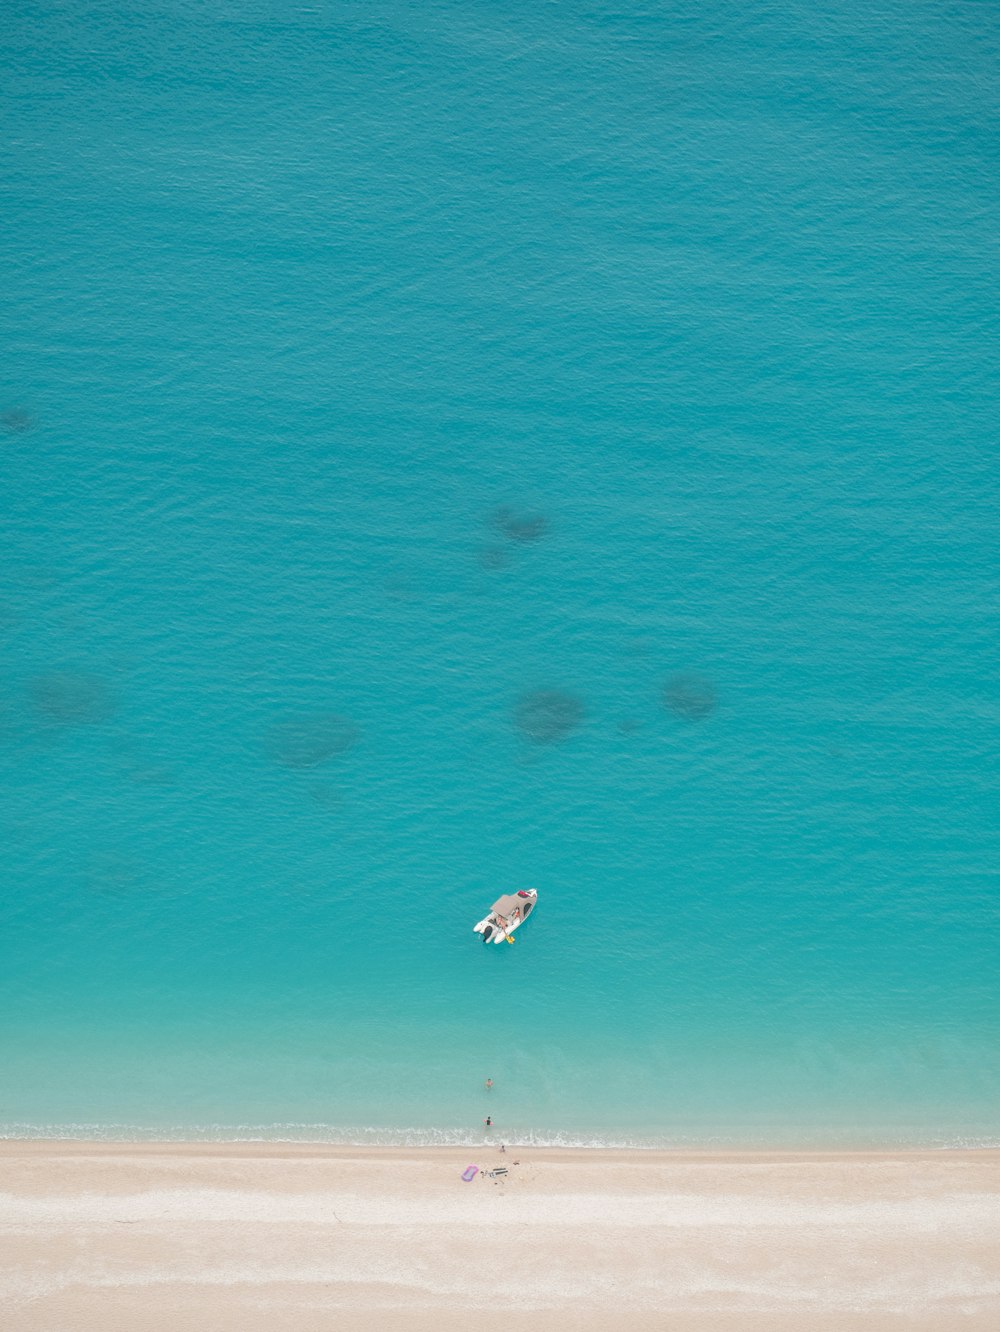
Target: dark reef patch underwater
72, 698
690, 696
520, 524
16, 420
547, 716
307, 740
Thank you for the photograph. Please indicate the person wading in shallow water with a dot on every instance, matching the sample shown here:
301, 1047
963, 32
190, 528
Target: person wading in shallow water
489, 1083
488, 1121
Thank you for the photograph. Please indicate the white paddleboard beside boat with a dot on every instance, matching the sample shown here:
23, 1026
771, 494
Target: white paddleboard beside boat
506, 914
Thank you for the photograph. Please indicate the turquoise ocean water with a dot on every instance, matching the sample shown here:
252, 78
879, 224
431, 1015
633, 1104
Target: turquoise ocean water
448, 447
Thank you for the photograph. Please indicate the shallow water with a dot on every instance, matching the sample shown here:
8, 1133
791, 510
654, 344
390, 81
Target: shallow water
445, 450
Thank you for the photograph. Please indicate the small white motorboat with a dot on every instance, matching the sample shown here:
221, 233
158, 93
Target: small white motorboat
506, 914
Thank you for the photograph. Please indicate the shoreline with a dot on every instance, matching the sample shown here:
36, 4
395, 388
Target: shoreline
291, 1149
263, 1236
413, 1139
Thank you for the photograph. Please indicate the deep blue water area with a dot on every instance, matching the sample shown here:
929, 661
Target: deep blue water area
449, 447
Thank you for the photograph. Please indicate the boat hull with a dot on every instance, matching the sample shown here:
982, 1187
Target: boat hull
492, 933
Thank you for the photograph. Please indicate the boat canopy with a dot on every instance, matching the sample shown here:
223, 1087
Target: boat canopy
510, 902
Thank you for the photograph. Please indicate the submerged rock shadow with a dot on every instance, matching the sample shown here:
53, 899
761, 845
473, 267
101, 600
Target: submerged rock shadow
516, 527
72, 698
494, 558
523, 525
16, 421
690, 696
547, 716
309, 739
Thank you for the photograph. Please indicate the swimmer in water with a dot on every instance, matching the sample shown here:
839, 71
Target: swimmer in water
489, 1083
488, 1121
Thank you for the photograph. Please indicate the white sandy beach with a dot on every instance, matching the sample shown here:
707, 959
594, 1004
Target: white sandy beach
261, 1236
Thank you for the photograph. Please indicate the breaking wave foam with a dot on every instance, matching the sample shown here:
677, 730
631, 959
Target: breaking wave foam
374, 1136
